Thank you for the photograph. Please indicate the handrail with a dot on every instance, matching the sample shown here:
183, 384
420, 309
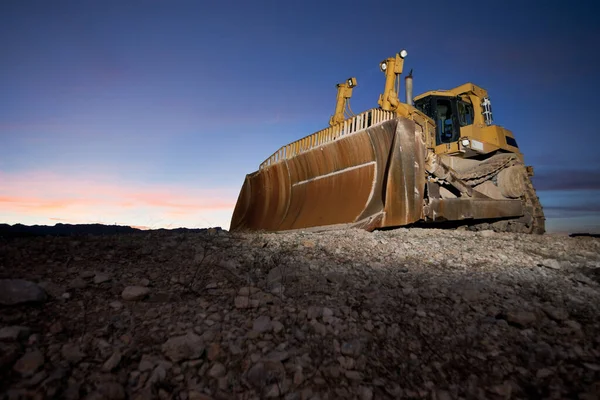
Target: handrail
352, 125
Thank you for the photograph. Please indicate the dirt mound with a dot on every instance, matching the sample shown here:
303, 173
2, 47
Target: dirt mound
408, 313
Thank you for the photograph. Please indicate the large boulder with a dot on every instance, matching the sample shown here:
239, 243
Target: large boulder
18, 291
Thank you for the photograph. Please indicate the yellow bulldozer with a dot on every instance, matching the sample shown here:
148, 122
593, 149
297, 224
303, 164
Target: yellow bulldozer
437, 158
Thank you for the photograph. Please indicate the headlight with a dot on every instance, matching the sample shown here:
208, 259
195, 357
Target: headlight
383, 66
403, 53
465, 142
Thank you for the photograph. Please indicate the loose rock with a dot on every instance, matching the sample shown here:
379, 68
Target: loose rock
557, 314
101, 278
29, 363
117, 305
185, 347
262, 324
72, 353
112, 362
14, 333
133, 293
552, 264
521, 318
78, 283
18, 291
351, 348
265, 372
112, 390
218, 370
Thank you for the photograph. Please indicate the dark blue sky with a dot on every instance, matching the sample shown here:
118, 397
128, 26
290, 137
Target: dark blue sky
183, 98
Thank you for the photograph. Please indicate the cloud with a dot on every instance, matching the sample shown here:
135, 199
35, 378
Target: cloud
567, 180
44, 196
572, 211
582, 208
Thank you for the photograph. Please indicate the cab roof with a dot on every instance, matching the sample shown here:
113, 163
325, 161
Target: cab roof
467, 88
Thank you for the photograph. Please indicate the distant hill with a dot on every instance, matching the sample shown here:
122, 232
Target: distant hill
19, 230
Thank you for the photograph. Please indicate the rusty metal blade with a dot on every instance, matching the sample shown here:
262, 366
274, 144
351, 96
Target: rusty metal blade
371, 178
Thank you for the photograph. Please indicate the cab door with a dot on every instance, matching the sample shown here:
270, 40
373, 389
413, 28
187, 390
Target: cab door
446, 120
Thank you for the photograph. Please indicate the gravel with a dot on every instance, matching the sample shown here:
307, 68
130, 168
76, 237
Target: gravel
405, 313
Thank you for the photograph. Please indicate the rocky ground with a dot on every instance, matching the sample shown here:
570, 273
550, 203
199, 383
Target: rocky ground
407, 313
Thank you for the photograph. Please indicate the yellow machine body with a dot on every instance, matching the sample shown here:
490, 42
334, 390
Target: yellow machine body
492, 137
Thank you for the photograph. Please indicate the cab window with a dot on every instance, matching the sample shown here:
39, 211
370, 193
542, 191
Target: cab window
445, 121
465, 113
424, 105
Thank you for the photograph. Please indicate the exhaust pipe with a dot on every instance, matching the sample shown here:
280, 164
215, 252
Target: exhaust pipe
408, 81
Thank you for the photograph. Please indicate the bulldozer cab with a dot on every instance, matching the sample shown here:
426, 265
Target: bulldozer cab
450, 115
464, 124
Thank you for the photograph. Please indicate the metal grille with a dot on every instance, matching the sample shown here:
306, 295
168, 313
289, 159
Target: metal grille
352, 125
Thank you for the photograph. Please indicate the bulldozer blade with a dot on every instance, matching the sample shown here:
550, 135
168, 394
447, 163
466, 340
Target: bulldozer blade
370, 179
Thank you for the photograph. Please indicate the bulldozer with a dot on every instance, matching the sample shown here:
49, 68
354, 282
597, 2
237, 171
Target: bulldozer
437, 158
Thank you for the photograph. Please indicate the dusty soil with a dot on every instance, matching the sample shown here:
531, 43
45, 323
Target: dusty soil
408, 313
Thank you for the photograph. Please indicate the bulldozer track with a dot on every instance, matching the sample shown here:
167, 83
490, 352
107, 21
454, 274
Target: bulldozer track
533, 205
533, 220
487, 169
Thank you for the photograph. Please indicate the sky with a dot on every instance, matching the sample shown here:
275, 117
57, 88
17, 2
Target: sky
150, 113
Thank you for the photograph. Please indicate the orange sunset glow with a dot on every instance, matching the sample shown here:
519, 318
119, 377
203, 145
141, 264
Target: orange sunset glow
48, 198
